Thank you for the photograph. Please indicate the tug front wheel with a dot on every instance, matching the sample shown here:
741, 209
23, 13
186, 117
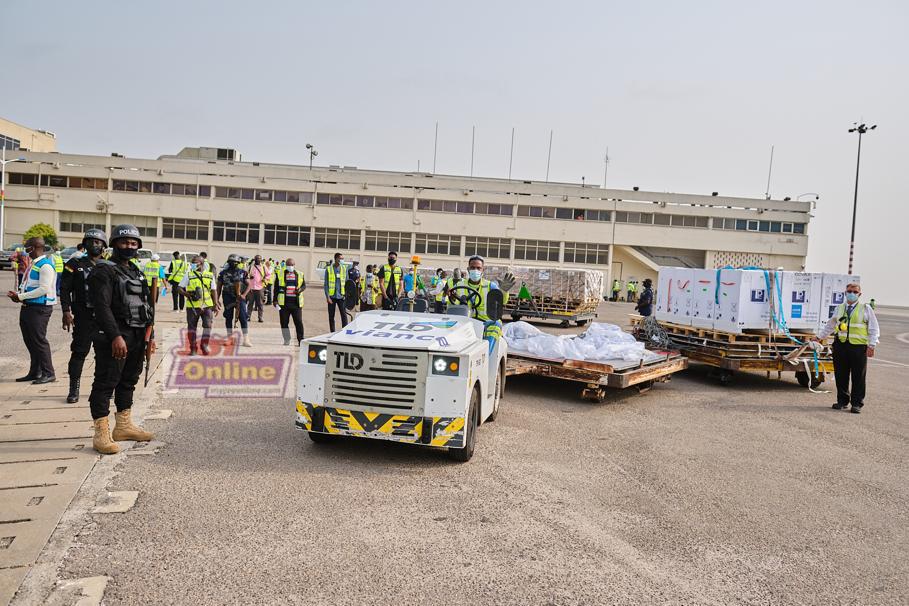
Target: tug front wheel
470, 430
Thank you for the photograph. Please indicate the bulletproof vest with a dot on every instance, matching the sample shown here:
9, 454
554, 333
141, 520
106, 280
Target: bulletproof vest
86, 272
132, 293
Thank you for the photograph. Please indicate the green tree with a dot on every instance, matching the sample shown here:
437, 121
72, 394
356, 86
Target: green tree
41, 230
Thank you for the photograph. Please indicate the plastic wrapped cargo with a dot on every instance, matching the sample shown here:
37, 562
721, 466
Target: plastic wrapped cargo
600, 343
552, 289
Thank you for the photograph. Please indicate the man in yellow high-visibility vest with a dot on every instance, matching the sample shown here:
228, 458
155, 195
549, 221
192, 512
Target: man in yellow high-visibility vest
856, 334
335, 290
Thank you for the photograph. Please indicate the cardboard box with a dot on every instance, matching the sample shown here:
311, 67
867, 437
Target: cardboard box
703, 297
833, 293
679, 295
801, 301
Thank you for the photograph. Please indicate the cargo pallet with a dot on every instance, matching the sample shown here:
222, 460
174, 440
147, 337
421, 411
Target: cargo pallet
760, 351
579, 312
597, 377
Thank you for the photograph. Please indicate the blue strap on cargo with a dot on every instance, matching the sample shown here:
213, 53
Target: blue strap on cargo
780, 321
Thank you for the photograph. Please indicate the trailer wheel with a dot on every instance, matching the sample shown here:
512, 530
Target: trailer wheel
565, 324
581, 322
500, 392
806, 379
470, 430
724, 376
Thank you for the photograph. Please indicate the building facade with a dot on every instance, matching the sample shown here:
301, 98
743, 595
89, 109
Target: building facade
222, 206
17, 137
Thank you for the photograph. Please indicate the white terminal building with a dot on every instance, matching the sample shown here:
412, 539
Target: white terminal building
208, 199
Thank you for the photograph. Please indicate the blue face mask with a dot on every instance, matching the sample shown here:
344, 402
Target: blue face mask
852, 297
193, 267
475, 275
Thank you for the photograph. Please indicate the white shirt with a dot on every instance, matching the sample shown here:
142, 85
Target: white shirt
874, 330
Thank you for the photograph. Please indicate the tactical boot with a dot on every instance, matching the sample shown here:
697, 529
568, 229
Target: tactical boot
101, 442
73, 396
126, 430
246, 341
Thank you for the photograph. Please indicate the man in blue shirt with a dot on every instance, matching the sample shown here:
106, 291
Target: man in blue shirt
335, 286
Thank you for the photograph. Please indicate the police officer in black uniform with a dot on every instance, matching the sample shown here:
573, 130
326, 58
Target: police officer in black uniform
119, 294
233, 288
77, 315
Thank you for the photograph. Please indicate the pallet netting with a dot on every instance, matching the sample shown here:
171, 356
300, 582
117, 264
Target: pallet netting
552, 290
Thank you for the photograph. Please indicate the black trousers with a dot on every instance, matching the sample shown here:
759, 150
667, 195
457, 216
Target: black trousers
285, 314
850, 362
116, 378
438, 307
33, 321
179, 300
193, 315
339, 304
84, 328
232, 306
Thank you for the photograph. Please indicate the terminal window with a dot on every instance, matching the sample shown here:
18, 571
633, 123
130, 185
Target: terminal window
388, 240
337, 238
438, 244
9, 142
536, 250
80, 222
233, 231
147, 226
286, 235
184, 229
586, 253
499, 248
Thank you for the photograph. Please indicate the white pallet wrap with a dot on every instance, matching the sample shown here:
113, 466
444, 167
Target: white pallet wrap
801, 300
833, 293
553, 290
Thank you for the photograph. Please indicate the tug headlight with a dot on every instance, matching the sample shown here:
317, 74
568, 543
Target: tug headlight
317, 354
445, 365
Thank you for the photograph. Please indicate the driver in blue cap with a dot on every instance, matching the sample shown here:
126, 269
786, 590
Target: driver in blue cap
492, 329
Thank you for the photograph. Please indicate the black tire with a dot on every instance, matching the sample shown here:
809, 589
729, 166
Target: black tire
581, 322
806, 379
500, 392
470, 430
564, 324
725, 377
320, 438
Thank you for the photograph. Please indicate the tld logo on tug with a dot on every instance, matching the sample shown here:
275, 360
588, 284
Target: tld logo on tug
348, 360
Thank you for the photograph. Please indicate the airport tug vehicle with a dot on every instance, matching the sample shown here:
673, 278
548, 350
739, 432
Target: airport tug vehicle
405, 375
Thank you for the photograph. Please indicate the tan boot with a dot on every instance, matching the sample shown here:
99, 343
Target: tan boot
246, 341
102, 442
126, 430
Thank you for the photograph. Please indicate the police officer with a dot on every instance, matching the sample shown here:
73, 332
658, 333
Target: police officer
202, 303
857, 334
233, 288
289, 289
77, 315
121, 300
391, 281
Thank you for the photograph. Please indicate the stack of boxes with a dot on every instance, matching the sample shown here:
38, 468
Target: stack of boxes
735, 300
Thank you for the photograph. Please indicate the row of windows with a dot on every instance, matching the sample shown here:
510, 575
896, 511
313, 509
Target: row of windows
469, 208
286, 235
185, 229
773, 227
568, 214
263, 195
162, 189
364, 201
232, 231
9, 142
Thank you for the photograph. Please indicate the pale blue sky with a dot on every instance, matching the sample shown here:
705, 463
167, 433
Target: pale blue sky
687, 96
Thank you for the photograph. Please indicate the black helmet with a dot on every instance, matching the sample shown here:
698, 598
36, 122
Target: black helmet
125, 231
95, 234
233, 258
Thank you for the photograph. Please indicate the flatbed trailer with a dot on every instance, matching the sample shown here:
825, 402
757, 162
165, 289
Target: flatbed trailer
730, 352
597, 377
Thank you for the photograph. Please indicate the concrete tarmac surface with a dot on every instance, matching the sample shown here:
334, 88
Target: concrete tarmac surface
693, 493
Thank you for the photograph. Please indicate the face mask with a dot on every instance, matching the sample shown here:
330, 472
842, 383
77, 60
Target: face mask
290, 267
193, 267
392, 261
475, 275
126, 253
852, 297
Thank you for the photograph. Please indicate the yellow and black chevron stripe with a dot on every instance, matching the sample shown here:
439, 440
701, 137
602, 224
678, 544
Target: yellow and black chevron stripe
432, 431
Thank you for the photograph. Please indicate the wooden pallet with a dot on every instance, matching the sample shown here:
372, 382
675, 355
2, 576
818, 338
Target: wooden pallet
764, 337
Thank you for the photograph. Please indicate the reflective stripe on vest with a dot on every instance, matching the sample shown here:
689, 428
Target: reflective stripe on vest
855, 328
200, 281
371, 293
281, 277
483, 288
32, 282
152, 268
388, 271
58, 264
330, 276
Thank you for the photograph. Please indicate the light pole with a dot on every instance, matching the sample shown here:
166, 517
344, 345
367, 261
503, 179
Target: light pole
312, 153
3, 163
861, 129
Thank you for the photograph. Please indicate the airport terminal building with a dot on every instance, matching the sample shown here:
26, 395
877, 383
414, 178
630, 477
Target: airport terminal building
207, 199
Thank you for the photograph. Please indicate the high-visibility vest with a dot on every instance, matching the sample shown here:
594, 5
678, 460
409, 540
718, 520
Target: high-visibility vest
270, 275
330, 278
436, 280
371, 293
388, 271
201, 280
483, 288
853, 328
32, 281
281, 277
152, 268
58, 263
177, 269
632, 287
616, 285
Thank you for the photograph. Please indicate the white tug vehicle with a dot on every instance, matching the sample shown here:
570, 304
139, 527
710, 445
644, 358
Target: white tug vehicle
406, 376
